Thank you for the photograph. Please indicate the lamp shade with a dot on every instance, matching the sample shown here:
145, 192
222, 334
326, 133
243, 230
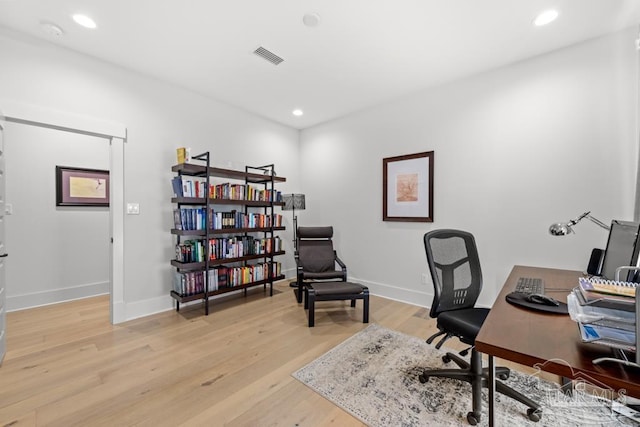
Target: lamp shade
293, 202
564, 228
560, 229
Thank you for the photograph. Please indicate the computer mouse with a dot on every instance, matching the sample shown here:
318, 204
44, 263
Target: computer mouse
542, 299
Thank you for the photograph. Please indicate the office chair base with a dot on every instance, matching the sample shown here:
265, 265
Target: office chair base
534, 414
473, 373
434, 336
501, 371
473, 418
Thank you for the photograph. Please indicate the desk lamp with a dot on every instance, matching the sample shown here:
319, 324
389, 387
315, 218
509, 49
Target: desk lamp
564, 228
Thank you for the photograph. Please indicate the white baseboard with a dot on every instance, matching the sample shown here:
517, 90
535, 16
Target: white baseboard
124, 311
134, 310
289, 273
408, 296
37, 299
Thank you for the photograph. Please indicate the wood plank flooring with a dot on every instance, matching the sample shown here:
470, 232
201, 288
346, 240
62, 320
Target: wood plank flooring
66, 365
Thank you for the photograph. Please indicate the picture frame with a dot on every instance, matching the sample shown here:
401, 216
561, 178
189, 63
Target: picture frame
407, 187
81, 186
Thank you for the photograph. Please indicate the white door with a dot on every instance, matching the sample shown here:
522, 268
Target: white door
3, 255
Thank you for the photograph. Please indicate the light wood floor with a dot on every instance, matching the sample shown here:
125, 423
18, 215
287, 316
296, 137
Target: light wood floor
66, 365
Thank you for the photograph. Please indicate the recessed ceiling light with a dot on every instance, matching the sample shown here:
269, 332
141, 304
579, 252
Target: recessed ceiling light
311, 19
84, 20
545, 17
297, 112
51, 29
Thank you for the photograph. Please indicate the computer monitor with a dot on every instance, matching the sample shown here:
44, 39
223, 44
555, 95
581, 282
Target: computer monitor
622, 249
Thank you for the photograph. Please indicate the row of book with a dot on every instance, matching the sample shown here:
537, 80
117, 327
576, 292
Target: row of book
185, 186
196, 219
226, 248
223, 277
228, 191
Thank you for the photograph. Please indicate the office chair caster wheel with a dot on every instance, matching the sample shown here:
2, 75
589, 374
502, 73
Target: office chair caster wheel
503, 377
534, 414
423, 378
473, 418
446, 358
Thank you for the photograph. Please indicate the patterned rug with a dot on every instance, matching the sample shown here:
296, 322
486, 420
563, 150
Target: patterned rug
374, 376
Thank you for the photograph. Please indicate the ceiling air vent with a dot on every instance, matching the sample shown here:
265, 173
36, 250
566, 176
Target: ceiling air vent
269, 56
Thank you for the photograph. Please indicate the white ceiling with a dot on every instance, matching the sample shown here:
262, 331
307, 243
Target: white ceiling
363, 52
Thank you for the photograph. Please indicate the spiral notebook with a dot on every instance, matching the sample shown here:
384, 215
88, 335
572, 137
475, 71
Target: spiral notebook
603, 293
608, 287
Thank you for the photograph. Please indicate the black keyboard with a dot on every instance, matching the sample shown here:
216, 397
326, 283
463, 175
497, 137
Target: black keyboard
530, 285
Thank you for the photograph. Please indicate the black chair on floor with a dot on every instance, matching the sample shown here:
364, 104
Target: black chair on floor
315, 257
454, 264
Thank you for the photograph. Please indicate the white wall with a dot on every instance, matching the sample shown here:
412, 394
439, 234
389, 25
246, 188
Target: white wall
57, 253
159, 118
516, 149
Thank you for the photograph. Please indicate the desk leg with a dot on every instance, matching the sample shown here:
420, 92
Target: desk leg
492, 390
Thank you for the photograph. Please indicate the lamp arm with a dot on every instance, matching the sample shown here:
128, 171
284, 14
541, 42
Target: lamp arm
578, 219
598, 222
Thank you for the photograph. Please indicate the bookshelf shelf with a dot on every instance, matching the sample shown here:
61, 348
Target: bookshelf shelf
191, 266
200, 274
199, 170
202, 201
224, 231
198, 296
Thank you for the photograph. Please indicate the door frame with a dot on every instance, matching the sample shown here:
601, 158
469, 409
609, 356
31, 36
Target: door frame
116, 134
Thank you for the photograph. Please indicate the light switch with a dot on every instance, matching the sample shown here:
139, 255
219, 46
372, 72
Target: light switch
8, 209
133, 208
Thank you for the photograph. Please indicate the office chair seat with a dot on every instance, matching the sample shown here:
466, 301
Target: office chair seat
464, 324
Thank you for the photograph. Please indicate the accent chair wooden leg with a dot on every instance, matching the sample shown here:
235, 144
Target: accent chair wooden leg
299, 293
365, 307
310, 297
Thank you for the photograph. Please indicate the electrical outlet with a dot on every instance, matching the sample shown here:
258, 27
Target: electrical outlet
423, 279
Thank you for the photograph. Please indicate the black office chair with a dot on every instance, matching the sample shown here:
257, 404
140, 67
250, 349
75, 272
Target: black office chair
453, 260
315, 257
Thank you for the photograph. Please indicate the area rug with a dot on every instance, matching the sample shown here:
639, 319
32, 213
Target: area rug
374, 376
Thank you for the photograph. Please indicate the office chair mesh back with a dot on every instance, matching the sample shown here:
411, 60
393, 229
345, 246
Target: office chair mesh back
453, 260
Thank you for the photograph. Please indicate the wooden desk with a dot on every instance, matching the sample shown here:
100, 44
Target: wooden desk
550, 341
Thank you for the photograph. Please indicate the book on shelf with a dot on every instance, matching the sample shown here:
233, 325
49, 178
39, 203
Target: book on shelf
176, 184
189, 218
177, 219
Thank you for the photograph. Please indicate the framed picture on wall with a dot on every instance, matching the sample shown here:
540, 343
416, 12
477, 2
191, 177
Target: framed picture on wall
81, 187
407, 188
